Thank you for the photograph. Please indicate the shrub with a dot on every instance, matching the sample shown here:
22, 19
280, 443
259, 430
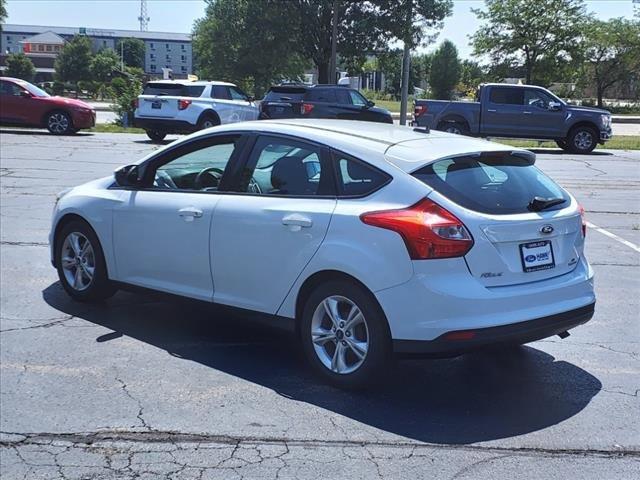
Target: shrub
124, 100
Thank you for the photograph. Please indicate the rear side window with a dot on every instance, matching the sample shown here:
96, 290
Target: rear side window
173, 89
491, 183
220, 92
356, 178
285, 94
507, 96
323, 95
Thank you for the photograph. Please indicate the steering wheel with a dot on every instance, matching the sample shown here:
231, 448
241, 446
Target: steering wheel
164, 180
212, 173
253, 186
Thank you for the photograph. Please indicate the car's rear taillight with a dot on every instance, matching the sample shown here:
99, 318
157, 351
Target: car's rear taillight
418, 110
428, 230
584, 221
305, 108
135, 103
182, 104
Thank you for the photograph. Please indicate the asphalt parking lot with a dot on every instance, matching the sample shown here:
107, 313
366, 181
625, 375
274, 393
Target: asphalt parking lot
150, 386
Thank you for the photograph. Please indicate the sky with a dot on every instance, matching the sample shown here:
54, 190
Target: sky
179, 15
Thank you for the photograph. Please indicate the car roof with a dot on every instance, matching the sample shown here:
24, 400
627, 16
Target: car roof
380, 144
193, 82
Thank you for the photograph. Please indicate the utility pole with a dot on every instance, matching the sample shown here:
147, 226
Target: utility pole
406, 62
334, 43
144, 17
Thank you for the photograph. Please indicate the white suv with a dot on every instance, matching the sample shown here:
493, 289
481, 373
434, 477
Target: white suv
182, 106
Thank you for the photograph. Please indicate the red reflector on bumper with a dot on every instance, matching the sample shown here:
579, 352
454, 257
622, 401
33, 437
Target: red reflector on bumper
460, 335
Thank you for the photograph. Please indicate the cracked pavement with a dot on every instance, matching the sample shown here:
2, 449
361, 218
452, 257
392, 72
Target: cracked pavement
149, 386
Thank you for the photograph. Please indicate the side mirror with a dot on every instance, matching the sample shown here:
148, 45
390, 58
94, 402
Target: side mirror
127, 176
370, 104
554, 106
250, 98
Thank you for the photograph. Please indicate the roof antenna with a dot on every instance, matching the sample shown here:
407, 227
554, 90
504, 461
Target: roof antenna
422, 130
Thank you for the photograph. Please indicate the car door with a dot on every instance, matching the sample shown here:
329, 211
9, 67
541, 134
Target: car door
248, 109
225, 107
502, 112
13, 103
265, 234
324, 103
161, 232
541, 120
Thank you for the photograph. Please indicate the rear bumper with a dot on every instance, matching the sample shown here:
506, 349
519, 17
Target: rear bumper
164, 125
447, 345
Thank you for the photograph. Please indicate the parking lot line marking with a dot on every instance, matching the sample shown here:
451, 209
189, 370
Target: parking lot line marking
614, 236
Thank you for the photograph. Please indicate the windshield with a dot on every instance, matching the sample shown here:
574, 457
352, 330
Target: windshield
38, 92
494, 183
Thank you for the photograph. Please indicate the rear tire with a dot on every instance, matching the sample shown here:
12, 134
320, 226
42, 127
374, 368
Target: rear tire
59, 123
156, 135
582, 139
562, 143
208, 121
80, 263
351, 348
457, 128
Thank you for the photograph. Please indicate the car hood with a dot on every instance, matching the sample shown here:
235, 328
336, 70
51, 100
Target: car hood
69, 102
599, 111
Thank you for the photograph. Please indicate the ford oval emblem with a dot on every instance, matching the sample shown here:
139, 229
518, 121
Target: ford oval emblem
546, 229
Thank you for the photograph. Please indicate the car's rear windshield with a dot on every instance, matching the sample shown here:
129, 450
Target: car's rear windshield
287, 94
173, 89
494, 183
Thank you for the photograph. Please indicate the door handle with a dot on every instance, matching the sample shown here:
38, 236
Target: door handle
492, 110
189, 213
297, 220
527, 113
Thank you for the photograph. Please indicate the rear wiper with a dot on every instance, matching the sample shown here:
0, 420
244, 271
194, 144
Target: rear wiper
538, 203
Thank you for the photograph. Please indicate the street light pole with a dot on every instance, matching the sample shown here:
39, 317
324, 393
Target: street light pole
334, 43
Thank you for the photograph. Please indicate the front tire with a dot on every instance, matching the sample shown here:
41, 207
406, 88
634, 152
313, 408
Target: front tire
59, 123
80, 263
345, 335
156, 135
582, 140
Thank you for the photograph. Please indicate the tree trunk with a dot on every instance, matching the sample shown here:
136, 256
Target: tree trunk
334, 43
323, 72
404, 91
600, 94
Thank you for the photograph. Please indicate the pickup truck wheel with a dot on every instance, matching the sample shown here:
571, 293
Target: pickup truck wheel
562, 143
582, 140
458, 128
156, 135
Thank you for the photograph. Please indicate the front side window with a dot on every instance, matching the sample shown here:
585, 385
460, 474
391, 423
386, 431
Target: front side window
198, 170
491, 183
280, 166
356, 178
8, 88
537, 98
507, 96
357, 99
236, 94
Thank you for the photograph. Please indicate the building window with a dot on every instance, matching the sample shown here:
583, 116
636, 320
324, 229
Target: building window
152, 68
184, 58
182, 46
168, 58
104, 43
41, 48
184, 69
152, 56
57, 48
49, 48
152, 46
167, 46
8, 49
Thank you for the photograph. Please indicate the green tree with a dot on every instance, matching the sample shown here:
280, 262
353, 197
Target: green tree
103, 64
249, 42
528, 32
445, 71
413, 22
472, 74
132, 50
611, 55
3, 12
73, 64
18, 65
390, 64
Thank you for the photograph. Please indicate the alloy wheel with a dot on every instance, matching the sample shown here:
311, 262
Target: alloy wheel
454, 129
583, 140
78, 261
339, 334
58, 123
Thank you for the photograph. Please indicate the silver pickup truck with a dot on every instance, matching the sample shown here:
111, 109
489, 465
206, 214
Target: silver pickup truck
518, 111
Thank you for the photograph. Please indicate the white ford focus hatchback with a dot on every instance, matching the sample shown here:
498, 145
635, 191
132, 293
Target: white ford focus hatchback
372, 239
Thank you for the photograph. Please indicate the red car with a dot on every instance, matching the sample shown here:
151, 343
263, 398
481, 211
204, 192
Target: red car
23, 104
